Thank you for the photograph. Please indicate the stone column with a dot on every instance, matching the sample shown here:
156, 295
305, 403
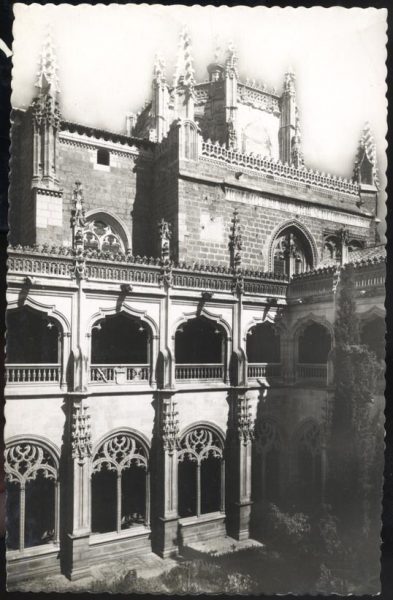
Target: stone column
288, 358
78, 487
240, 465
165, 528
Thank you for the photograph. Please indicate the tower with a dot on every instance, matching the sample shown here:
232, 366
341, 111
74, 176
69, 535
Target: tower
46, 208
46, 118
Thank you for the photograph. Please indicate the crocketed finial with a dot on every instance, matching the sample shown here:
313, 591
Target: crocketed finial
289, 81
184, 71
231, 61
47, 70
159, 68
366, 151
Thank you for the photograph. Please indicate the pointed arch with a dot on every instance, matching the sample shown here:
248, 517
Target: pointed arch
304, 232
49, 309
217, 318
114, 222
128, 310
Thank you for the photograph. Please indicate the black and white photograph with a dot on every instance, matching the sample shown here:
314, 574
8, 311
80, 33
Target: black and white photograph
195, 345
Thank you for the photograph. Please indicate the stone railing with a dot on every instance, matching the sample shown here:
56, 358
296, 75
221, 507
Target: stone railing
370, 275
33, 373
120, 373
311, 371
258, 97
220, 278
269, 166
266, 370
40, 260
199, 372
313, 283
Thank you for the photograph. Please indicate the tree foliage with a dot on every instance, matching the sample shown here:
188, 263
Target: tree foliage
354, 431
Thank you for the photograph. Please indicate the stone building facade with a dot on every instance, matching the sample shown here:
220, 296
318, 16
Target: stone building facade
171, 299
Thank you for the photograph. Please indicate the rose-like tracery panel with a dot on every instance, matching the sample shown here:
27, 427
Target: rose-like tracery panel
24, 460
120, 452
267, 436
101, 236
200, 443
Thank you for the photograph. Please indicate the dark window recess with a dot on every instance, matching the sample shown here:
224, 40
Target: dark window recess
32, 337
119, 339
103, 157
199, 341
263, 344
314, 344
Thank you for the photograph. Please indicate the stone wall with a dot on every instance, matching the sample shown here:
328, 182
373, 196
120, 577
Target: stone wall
123, 189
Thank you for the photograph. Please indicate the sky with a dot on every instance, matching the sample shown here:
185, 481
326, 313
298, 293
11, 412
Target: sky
106, 56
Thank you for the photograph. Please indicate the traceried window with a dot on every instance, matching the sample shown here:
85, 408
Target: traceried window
120, 484
372, 334
332, 248
200, 350
309, 469
32, 495
201, 472
314, 344
354, 245
263, 344
267, 464
100, 236
291, 253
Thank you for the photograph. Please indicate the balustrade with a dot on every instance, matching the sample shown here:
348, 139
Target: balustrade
256, 370
28, 373
119, 373
312, 371
199, 372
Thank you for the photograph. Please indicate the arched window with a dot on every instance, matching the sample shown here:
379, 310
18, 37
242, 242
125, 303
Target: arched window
120, 484
103, 237
32, 337
354, 245
314, 344
372, 335
200, 349
201, 472
332, 248
267, 463
32, 495
263, 344
291, 252
34, 342
309, 471
123, 341
103, 156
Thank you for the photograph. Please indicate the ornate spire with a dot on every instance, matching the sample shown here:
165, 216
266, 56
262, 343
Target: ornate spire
366, 172
184, 71
231, 61
159, 69
297, 154
78, 223
289, 81
235, 248
47, 78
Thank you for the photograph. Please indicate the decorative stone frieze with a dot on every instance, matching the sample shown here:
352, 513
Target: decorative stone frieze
245, 421
169, 426
81, 433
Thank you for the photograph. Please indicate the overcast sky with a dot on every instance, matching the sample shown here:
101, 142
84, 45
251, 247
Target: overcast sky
106, 55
